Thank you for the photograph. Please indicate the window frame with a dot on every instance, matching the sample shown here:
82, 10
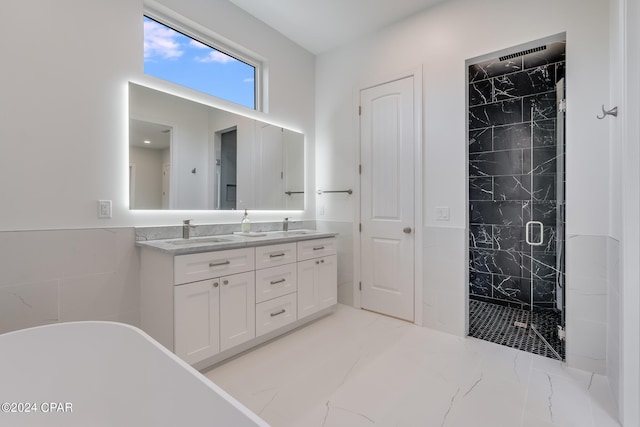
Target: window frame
213, 40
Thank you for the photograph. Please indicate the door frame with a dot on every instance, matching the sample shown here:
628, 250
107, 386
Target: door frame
416, 73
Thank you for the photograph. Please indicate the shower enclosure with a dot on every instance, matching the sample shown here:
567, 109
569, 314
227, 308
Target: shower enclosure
516, 198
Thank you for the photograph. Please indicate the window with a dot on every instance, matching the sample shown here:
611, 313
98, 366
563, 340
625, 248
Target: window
171, 55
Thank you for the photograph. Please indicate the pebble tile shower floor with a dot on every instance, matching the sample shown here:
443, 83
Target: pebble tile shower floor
495, 323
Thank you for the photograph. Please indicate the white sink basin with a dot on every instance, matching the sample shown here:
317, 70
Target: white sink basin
249, 233
296, 232
197, 240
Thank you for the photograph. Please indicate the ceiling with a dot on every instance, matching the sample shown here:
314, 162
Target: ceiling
321, 25
159, 136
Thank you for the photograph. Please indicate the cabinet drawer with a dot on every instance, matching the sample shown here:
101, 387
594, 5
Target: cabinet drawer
207, 265
275, 281
316, 248
269, 256
275, 313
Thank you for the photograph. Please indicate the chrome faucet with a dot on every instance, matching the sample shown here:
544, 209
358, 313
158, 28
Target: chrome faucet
285, 224
186, 228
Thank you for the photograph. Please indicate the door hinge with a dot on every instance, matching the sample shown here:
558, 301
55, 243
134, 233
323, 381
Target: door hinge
359, 110
562, 105
562, 334
360, 169
360, 227
360, 286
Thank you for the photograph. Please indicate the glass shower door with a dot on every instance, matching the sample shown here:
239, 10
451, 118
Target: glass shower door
560, 205
544, 230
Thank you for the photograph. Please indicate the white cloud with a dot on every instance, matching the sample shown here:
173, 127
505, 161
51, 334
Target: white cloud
196, 44
159, 41
216, 56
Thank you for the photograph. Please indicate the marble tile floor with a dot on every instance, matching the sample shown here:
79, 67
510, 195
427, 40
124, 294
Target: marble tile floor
356, 368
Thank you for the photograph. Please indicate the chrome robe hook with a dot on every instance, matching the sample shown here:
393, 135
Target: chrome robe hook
612, 112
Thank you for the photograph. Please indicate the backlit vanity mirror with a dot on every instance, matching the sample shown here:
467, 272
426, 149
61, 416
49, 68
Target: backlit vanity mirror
189, 156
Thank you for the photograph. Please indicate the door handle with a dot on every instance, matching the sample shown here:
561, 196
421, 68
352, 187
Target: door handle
528, 233
407, 230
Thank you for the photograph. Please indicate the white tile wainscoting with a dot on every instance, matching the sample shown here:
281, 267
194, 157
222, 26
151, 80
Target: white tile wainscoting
66, 275
589, 269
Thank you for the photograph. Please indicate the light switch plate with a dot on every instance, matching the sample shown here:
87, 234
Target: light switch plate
442, 214
104, 208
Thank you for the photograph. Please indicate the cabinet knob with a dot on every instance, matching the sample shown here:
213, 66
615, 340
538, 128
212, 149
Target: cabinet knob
226, 282
317, 262
322, 261
215, 284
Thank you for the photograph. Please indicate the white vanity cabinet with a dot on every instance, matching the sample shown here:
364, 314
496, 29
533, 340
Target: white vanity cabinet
317, 276
208, 306
276, 287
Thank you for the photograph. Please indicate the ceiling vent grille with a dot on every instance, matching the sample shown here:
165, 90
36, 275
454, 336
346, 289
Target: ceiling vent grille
522, 53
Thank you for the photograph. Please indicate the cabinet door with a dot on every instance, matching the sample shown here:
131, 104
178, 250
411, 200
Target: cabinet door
317, 285
237, 309
196, 320
327, 277
307, 288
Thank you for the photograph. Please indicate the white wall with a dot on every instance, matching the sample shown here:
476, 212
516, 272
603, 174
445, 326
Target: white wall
64, 135
624, 299
440, 40
63, 119
148, 177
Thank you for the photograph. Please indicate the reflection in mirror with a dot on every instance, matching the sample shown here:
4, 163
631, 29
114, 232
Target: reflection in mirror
209, 158
149, 158
227, 165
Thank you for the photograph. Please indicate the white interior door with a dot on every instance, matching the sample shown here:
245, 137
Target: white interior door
387, 198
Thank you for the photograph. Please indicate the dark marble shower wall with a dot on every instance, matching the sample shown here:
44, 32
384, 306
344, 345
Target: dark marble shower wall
512, 177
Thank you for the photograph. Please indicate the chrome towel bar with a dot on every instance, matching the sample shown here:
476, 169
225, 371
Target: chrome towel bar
349, 191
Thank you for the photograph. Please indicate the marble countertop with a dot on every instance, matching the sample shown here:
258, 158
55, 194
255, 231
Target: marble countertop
230, 241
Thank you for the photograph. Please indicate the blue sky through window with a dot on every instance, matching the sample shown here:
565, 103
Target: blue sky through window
172, 56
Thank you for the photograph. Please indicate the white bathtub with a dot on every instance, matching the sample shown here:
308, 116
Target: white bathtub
106, 374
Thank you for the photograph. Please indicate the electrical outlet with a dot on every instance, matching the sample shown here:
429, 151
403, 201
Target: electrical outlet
104, 208
442, 214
